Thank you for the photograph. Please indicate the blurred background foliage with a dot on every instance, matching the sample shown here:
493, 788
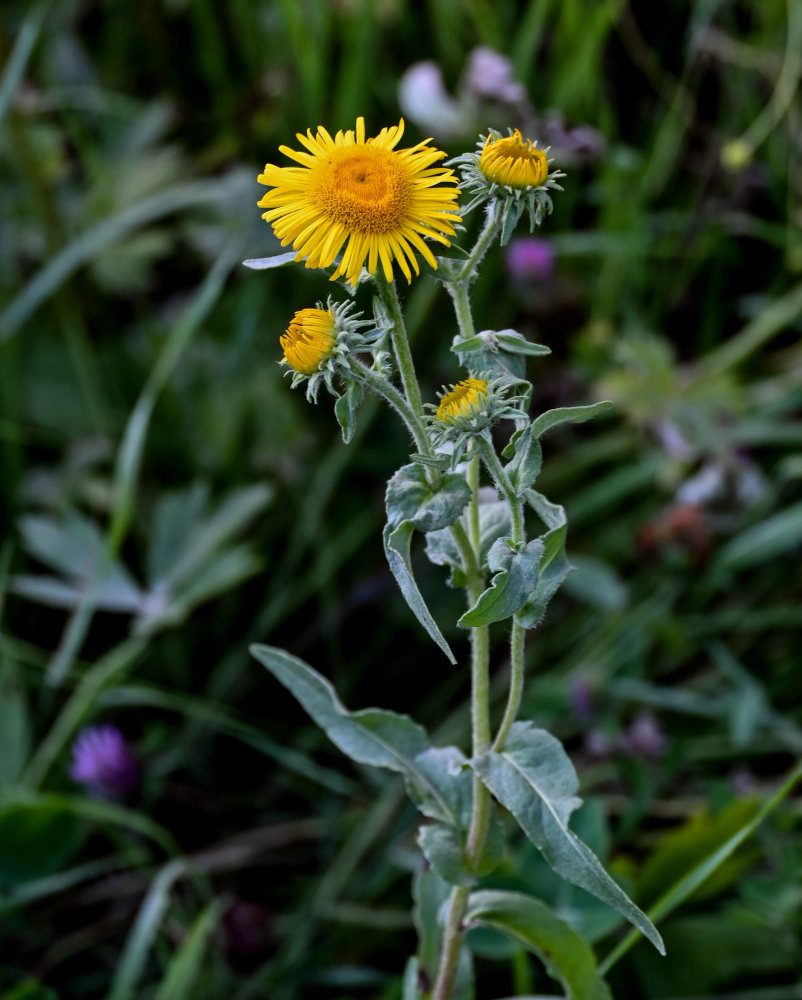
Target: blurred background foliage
165, 498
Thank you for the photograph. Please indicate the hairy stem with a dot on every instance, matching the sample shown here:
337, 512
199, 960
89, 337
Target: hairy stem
518, 634
400, 341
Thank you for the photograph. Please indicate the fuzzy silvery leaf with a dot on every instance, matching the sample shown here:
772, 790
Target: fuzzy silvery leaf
526, 459
413, 504
439, 462
533, 778
480, 358
566, 956
372, 736
515, 577
442, 550
445, 770
553, 516
567, 415
397, 546
516, 343
549, 582
443, 849
265, 263
345, 408
410, 498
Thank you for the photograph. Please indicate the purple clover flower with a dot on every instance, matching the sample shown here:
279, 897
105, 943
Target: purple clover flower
103, 763
530, 259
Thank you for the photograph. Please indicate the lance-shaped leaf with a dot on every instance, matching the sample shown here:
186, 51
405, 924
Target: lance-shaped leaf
412, 504
397, 549
495, 340
533, 778
372, 736
516, 572
567, 415
565, 954
526, 456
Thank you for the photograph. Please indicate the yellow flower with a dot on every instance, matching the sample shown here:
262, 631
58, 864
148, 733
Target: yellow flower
465, 399
514, 161
309, 340
379, 199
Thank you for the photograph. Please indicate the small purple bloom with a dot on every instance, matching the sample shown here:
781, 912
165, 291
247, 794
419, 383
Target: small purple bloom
645, 737
530, 259
103, 763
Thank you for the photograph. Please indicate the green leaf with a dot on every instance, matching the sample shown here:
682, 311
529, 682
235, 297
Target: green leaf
179, 982
494, 522
548, 583
534, 779
409, 985
566, 956
516, 574
372, 736
265, 263
412, 503
345, 408
397, 546
411, 498
527, 458
516, 343
553, 516
566, 415
443, 849
36, 838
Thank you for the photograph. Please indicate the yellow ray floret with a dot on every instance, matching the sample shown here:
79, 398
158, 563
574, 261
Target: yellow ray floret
362, 197
464, 400
514, 161
309, 340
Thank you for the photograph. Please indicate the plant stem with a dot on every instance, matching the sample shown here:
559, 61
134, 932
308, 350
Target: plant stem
482, 244
384, 388
400, 340
480, 815
518, 634
517, 640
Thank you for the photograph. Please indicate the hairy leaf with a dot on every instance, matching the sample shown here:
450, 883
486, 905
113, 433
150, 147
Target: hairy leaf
567, 957
397, 545
568, 415
372, 736
514, 581
534, 779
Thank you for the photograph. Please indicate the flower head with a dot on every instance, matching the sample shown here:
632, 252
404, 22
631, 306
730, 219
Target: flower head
376, 201
103, 762
309, 340
472, 406
320, 343
513, 161
466, 399
512, 174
